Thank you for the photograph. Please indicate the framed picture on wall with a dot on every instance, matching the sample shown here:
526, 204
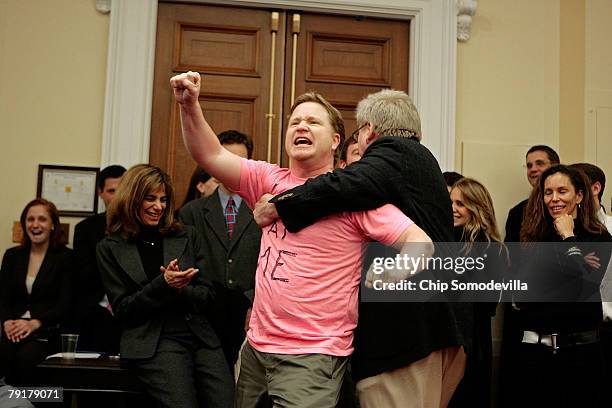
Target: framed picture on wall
72, 189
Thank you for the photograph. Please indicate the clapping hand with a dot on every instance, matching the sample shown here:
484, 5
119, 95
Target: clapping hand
175, 277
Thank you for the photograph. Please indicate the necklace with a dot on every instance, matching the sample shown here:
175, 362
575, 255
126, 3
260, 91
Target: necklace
151, 243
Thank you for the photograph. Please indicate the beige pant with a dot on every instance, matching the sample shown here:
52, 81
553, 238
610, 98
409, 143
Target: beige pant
427, 383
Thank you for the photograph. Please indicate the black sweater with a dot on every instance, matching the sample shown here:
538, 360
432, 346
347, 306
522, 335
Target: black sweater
569, 299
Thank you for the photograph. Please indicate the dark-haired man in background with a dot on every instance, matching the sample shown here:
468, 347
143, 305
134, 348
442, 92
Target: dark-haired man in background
98, 328
230, 240
538, 159
348, 153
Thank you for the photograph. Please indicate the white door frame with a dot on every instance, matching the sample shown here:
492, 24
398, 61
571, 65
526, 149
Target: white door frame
131, 57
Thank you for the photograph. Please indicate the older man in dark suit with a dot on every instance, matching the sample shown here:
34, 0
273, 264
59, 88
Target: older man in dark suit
406, 354
231, 244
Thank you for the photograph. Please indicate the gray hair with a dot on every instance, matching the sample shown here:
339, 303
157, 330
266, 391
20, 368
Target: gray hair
391, 112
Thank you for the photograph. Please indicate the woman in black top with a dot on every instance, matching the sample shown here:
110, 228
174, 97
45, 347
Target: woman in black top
476, 226
559, 361
35, 293
153, 272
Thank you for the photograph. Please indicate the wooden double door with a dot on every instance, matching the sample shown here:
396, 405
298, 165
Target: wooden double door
254, 62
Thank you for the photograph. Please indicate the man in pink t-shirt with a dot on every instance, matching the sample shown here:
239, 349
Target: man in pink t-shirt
306, 290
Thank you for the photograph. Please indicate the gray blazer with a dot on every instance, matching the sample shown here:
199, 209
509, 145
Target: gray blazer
140, 304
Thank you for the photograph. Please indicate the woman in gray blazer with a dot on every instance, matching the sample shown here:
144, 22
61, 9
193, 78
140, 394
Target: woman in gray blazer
153, 273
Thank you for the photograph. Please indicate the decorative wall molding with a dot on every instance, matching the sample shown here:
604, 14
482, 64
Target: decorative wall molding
432, 71
103, 6
465, 11
129, 82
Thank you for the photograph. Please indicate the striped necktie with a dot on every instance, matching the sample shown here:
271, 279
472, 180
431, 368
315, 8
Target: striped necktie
230, 216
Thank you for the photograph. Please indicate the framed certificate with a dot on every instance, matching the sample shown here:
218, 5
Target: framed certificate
72, 189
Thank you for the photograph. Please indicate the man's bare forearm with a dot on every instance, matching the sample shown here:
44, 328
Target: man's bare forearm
199, 138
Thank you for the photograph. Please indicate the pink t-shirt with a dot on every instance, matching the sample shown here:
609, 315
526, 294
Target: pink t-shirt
307, 283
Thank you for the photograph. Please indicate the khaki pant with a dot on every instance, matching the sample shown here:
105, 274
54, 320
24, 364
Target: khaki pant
303, 380
427, 383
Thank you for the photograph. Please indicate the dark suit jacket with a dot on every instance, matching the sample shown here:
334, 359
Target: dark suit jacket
231, 263
140, 304
514, 222
88, 283
402, 172
50, 299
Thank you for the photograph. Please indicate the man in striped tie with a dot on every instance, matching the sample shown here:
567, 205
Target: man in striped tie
231, 241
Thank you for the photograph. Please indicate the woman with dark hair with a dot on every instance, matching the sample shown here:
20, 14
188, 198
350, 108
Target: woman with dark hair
165, 334
35, 293
559, 358
476, 227
200, 185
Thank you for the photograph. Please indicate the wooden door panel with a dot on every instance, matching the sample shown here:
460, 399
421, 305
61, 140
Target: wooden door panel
215, 48
346, 58
221, 113
231, 48
342, 57
230, 113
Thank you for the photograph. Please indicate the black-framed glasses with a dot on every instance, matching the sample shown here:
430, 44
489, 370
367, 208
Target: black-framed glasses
355, 134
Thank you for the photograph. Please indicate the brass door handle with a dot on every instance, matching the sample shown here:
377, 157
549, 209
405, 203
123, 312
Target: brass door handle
270, 115
295, 30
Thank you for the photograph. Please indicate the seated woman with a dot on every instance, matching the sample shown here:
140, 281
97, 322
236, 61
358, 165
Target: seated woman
559, 358
165, 334
35, 293
474, 221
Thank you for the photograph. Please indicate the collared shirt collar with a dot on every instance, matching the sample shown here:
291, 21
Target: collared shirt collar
224, 198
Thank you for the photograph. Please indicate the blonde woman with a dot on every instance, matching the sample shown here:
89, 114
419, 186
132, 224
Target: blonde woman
474, 222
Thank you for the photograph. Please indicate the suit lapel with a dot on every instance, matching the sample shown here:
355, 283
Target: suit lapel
21, 265
215, 219
45, 266
245, 217
128, 258
174, 247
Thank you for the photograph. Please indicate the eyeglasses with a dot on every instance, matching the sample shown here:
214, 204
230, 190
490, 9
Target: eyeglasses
355, 134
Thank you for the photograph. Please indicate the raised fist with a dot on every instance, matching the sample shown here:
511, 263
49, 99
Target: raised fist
186, 87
